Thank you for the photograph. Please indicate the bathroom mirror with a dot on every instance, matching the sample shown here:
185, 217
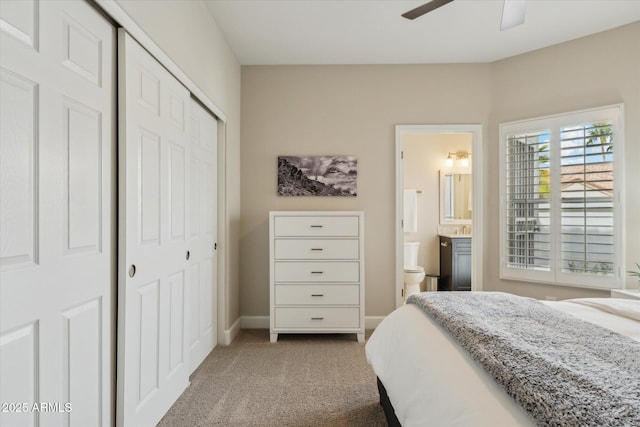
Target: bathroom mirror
455, 197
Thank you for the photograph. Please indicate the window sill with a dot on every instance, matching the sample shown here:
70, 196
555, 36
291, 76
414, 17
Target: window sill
626, 293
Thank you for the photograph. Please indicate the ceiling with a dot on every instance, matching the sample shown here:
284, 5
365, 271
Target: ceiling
273, 32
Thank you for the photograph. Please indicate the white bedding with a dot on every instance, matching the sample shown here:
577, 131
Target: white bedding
431, 380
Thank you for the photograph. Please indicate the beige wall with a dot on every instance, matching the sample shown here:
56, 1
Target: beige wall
188, 34
424, 156
598, 70
353, 110
349, 110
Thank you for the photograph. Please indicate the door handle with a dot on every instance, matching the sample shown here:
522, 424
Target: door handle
188, 255
132, 270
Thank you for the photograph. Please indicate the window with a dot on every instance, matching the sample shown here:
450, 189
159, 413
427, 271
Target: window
560, 198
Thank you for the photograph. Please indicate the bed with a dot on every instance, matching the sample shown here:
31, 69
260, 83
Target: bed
426, 377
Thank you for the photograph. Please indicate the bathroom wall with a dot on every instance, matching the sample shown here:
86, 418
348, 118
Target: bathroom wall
424, 156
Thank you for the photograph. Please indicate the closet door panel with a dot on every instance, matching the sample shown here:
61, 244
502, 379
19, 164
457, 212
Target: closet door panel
57, 139
203, 236
153, 258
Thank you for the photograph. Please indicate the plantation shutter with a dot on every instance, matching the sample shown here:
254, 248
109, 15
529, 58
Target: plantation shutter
561, 196
587, 199
528, 233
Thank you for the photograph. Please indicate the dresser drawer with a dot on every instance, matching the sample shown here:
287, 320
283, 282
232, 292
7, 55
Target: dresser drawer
317, 317
317, 294
316, 271
315, 226
316, 249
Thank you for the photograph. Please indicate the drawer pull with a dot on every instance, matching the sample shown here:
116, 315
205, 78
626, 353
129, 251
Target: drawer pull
317, 295
317, 318
317, 249
317, 272
317, 226
444, 244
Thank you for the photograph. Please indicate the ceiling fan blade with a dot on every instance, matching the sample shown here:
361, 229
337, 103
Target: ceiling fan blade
512, 14
425, 8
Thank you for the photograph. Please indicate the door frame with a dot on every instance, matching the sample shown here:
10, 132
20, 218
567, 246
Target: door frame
477, 256
115, 12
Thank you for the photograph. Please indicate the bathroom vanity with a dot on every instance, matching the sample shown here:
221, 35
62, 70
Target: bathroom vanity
317, 272
455, 262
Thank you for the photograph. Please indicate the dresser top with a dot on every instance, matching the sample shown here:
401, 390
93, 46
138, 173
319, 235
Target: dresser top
315, 213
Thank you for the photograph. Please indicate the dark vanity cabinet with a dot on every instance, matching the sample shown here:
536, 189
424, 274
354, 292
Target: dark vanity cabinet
455, 264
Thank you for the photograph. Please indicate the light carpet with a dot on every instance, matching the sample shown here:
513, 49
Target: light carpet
302, 380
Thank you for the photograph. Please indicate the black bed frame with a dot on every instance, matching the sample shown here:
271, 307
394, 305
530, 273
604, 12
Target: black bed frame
389, 412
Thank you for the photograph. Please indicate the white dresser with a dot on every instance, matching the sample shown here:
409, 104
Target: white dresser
316, 272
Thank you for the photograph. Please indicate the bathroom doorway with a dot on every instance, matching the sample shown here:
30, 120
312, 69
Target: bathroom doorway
423, 153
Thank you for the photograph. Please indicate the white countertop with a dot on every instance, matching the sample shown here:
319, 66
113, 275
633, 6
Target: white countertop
456, 236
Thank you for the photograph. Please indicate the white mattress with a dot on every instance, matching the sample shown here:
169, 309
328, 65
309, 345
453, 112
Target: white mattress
431, 380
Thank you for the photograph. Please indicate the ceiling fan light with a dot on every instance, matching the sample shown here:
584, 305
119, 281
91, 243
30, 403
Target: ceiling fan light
512, 14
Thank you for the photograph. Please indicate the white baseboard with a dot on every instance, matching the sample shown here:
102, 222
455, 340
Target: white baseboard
230, 334
262, 322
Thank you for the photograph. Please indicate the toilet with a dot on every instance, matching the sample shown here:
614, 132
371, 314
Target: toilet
413, 273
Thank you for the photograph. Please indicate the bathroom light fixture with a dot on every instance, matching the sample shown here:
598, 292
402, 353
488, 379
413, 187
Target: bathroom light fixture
448, 162
464, 162
462, 157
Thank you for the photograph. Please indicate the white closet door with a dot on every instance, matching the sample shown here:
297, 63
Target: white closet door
57, 136
202, 290
153, 263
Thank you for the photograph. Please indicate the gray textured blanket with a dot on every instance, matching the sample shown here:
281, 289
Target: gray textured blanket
563, 371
